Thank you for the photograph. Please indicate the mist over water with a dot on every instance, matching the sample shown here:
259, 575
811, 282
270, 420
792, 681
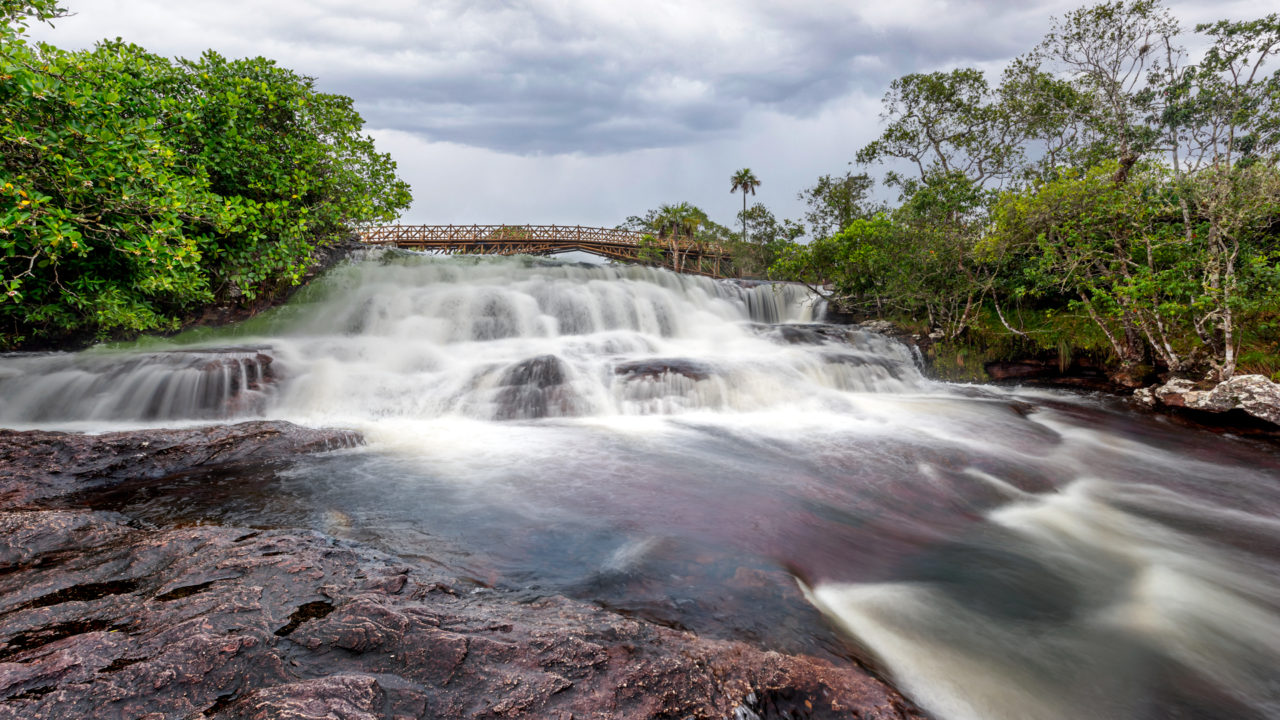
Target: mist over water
695, 453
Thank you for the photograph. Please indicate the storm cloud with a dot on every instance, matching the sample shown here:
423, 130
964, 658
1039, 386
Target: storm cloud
664, 95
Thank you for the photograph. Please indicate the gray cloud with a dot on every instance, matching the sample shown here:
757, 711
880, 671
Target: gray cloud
586, 111
548, 76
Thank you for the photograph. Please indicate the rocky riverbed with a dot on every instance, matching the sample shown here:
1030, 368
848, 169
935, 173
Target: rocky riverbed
103, 616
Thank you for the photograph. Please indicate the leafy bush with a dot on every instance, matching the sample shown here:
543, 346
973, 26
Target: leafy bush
135, 189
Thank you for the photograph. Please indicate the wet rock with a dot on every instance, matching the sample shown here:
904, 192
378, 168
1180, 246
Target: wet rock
883, 327
368, 636
536, 388
541, 372
349, 697
25, 536
1079, 374
1132, 377
103, 619
39, 465
895, 370
806, 333
801, 335
1254, 395
657, 367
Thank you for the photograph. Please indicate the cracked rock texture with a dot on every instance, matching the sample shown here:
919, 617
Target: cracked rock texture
99, 619
1255, 395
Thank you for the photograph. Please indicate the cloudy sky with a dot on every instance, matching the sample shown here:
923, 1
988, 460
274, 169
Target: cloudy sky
587, 111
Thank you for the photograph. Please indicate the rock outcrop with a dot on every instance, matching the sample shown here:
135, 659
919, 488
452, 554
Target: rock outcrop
38, 464
100, 618
1255, 395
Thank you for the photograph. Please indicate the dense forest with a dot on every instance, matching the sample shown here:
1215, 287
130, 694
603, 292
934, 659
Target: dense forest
136, 189
1106, 195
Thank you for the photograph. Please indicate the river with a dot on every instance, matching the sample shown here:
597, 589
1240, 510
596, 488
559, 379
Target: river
695, 453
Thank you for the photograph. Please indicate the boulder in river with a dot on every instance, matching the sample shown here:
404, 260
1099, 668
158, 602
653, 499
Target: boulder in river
1255, 395
538, 387
655, 368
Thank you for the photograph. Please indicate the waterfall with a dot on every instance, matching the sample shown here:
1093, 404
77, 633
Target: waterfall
124, 388
490, 339
689, 451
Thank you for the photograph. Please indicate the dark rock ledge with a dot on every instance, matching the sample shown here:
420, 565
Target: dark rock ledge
100, 619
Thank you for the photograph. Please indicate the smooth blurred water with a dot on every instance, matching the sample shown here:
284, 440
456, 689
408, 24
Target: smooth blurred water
662, 446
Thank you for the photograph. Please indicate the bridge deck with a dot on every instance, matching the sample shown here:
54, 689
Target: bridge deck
679, 254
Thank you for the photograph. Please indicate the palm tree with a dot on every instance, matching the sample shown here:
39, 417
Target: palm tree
682, 219
747, 182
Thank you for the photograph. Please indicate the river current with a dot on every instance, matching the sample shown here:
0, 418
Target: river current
700, 454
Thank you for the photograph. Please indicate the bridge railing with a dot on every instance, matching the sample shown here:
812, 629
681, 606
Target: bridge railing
534, 234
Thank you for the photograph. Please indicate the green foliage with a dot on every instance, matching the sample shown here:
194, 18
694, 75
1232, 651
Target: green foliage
134, 188
854, 265
681, 220
1153, 259
670, 229
943, 123
744, 181
916, 260
768, 239
20, 12
1105, 178
834, 202
650, 250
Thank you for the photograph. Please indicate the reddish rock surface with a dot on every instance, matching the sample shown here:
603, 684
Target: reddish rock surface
37, 464
104, 620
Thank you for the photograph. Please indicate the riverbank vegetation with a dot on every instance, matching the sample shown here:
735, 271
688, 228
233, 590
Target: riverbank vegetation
1104, 195
136, 189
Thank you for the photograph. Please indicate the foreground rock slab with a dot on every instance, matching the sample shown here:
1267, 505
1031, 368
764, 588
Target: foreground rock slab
105, 620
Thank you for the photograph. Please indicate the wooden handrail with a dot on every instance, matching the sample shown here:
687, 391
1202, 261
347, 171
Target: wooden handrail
679, 254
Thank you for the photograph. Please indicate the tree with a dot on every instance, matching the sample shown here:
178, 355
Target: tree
134, 189
769, 236
854, 268
834, 202
1087, 235
1223, 119
942, 123
1049, 116
940, 220
20, 12
1121, 251
746, 181
1115, 56
679, 226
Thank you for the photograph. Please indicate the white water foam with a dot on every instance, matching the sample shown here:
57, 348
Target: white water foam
1138, 604
499, 339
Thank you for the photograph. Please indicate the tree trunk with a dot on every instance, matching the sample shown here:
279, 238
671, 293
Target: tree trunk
1126, 164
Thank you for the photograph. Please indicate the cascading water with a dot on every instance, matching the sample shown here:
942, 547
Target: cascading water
415, 338
111, 388
684, 450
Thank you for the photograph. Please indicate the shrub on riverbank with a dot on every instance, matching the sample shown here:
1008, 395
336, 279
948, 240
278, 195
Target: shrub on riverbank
135, 189
1106, 188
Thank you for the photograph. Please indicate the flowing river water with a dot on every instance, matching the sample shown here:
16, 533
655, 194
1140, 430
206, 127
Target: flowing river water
692, 452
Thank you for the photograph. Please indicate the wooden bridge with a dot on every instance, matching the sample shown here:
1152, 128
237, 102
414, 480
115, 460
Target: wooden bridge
682, 255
